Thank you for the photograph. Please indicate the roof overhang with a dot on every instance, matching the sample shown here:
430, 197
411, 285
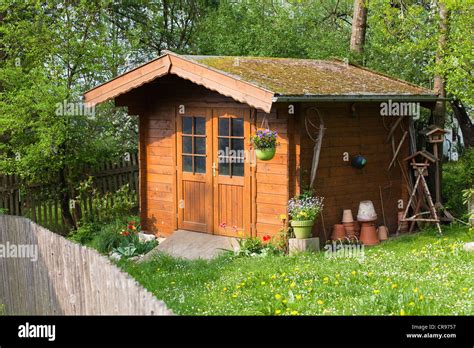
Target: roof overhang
354, 98
171, 63
226, 84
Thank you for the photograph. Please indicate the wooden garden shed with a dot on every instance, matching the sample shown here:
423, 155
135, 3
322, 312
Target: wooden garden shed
192, 108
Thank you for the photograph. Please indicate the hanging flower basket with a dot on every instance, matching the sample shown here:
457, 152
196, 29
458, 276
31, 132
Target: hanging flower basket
265, 142
265, 154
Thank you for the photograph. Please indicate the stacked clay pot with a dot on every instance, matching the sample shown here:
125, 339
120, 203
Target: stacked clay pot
367, 217
357, 228
382, 232
348, 222
338, 232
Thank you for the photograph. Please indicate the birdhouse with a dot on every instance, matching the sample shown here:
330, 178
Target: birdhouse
421, 160
436, 135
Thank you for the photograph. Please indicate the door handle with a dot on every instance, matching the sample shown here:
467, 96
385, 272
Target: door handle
214, 169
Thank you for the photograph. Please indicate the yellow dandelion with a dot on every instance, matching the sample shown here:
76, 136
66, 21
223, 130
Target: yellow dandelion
278, 296
421, 298
273, 277
298, 297
286, 280
320, 302
263, 283
337, 275
326, 279
411, 303
415, 290
225, 289
234, 295
353, 272
336, 282
284, 301
278, 311
464, 289
402, 312
376, 291
292, 285
394, 286
370, 274
294, 313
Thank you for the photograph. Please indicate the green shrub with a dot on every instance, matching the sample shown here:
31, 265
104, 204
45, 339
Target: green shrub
86, 232
109, 237
255, 247
458, 176
121, 236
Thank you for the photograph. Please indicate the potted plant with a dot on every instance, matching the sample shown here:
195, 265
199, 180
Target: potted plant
265, 142
304, 210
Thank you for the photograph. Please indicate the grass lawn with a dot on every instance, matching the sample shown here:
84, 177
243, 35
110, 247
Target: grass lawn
419, 274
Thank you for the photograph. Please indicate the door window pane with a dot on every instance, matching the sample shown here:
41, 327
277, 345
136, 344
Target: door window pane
224, 126
187, 144
224, 146
237, 127
238, 144
200, 164
199, 125
187, 125
224, 166
187, 163
237, 168
200, 146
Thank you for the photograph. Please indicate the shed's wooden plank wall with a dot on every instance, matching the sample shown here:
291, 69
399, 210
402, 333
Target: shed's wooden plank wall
273, 176
342, 185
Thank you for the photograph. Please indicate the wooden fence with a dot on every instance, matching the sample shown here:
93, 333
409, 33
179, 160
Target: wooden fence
64, 277
38, 202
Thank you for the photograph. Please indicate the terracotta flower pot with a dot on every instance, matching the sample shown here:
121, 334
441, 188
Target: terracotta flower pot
302, 229
357, 228
350, 230
338, 232
347, 216
366, 211
265, 154
382, 232
368, 234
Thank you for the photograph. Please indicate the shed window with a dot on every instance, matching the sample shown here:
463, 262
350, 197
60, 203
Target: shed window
194, 144
231, 146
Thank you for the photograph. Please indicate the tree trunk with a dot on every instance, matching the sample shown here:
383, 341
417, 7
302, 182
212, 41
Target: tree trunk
439, 88
439, 83
64, 198
359, 26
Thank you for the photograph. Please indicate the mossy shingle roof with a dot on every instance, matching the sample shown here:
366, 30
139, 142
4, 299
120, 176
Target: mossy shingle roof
292, 77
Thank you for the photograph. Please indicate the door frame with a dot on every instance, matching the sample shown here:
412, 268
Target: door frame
212, 113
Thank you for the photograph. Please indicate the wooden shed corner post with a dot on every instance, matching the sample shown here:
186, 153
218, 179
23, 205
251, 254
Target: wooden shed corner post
142, 156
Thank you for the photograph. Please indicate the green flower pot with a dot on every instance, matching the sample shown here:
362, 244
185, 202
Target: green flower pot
265, 154
302, 229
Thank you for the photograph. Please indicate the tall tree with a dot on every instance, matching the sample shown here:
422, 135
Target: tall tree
439, 83
359, 27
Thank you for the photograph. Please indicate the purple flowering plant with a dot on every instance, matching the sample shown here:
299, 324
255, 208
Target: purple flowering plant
304, 207
264, 139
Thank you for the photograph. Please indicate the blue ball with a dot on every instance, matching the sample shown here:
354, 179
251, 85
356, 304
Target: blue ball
358, 161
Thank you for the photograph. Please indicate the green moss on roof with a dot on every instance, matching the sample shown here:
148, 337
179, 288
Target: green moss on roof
287, 76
